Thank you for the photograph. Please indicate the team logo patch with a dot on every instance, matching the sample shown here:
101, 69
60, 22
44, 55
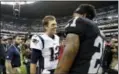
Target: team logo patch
35, 41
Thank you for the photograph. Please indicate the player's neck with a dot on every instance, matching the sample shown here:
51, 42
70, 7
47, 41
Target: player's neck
50, 35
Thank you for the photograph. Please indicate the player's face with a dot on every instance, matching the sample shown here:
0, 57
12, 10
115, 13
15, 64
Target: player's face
52, 27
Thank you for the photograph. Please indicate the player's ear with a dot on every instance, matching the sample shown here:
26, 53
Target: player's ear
46, 27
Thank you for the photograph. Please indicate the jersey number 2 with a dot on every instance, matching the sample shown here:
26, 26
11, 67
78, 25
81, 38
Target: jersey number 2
96, 58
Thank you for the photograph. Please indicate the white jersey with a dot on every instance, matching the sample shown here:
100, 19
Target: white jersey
49, 51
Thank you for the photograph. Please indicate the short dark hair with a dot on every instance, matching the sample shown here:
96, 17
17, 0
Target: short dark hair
46, 19
88, 9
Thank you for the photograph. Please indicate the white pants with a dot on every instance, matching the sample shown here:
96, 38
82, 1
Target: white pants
45, 71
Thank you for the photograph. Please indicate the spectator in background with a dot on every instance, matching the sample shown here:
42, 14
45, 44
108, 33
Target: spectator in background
110, 59
9, 42
107, 57
2, 55
114, 62
4, 44
4, 41
22, 45
27, 55
13, 61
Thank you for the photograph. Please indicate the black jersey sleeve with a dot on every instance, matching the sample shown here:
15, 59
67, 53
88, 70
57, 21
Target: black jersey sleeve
75, 26
35, 55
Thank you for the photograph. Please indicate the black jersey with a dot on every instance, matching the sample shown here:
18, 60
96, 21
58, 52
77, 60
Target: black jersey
88, 58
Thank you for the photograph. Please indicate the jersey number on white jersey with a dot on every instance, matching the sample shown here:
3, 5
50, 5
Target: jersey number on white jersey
54, 53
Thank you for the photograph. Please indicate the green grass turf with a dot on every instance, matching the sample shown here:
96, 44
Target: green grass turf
22, 68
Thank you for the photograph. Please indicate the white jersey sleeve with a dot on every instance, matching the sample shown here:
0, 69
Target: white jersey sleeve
36, 42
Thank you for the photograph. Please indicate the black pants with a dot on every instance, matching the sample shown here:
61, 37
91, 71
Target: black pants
2, 67
4, 70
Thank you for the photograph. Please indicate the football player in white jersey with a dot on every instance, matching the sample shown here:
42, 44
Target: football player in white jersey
45, 47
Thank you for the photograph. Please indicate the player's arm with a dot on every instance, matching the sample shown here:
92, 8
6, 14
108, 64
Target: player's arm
69, 54
35, 46
34, 58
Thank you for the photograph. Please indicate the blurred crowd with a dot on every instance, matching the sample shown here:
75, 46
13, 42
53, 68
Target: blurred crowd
7, 46
34, 26
14, 27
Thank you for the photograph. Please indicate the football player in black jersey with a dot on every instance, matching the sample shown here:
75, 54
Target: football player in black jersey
84, 45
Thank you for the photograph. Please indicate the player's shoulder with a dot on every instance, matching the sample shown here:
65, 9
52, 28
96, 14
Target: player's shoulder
57, 37
79, 22
87, 23
36, 42
43, 35
83, 21
35, 36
